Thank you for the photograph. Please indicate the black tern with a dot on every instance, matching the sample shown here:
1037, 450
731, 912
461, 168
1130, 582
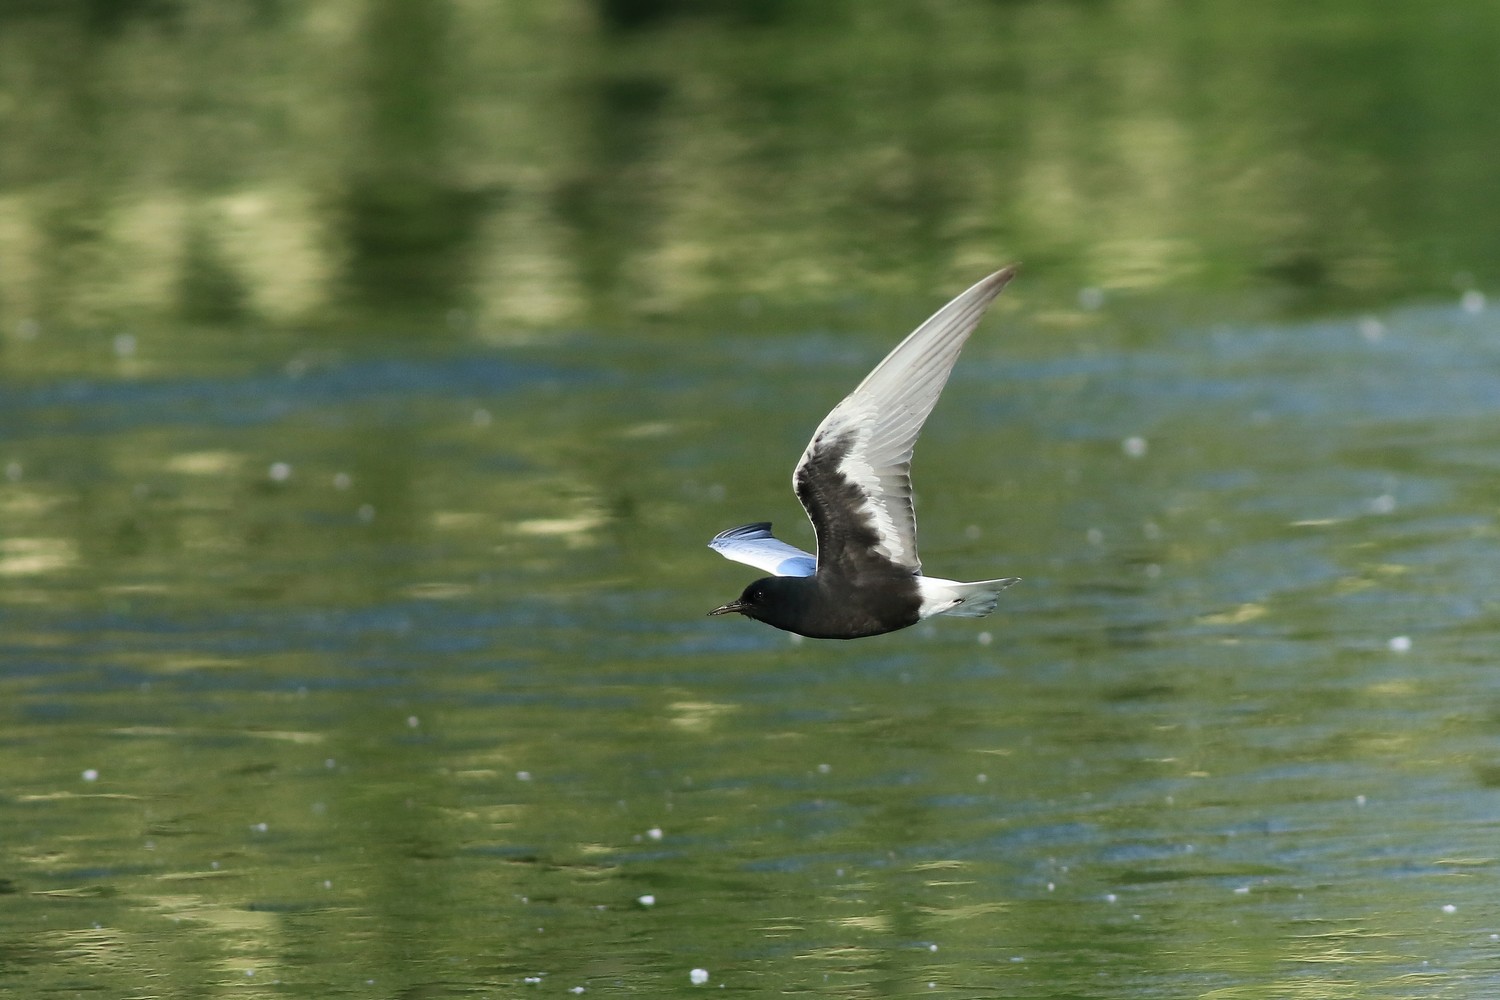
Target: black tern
854, 481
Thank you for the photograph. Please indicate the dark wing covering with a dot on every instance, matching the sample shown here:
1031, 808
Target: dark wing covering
854, 479
754, 545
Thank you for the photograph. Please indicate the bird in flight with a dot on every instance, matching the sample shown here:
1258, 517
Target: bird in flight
854, 481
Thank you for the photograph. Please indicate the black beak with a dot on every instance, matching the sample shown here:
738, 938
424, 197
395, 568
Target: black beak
726, 609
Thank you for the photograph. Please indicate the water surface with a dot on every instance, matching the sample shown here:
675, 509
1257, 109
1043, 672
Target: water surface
361, 428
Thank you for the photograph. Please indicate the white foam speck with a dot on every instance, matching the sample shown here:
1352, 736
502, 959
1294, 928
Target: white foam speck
1400, 644
1449, 908
646, 900
412, 722
342, 480
523, 775
279, 472
654, 833
1110, 897
1242, 890
90, 775
824, 768
1371, 329
1134, 446
1473, 302
985, 638
698, 976
1359, 800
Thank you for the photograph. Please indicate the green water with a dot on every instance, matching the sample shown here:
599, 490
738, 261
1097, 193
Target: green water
373, 373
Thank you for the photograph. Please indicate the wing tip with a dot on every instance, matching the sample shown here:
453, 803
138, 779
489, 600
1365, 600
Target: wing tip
974, 300
998, 280
755, 529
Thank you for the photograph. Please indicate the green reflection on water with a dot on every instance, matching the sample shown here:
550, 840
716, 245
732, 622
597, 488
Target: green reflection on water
502, 167
451, 744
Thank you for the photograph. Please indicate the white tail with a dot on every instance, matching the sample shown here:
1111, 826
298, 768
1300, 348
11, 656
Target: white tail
964, 600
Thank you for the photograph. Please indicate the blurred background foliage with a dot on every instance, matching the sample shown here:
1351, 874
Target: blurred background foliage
455, 166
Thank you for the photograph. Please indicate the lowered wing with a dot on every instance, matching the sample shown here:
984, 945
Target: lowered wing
754, 545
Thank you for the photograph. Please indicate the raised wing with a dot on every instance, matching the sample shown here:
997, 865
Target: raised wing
854, 479
755, 545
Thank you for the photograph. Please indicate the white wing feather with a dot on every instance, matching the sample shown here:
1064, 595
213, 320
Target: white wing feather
754, 545
884, 414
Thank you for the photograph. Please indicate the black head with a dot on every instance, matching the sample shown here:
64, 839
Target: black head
756, 597
774, 600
